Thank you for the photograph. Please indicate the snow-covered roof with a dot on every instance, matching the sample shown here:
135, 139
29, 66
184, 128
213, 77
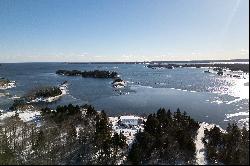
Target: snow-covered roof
129, 117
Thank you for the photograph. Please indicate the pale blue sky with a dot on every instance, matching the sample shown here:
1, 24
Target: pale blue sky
123, 30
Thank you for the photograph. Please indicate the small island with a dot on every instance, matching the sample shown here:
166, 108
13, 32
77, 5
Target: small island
118, 83
93, 74
6, 84
207, 71
44, 93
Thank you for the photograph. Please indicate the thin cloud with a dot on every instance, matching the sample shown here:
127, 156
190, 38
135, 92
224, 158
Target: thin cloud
244, 51
195, 53
231, 16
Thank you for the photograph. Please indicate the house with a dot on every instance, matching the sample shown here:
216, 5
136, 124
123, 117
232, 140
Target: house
130, 120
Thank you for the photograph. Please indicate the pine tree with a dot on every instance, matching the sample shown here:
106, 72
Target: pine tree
7, 156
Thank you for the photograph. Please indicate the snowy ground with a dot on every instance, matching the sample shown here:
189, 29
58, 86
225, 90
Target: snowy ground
200, 147
25, 115
129, 133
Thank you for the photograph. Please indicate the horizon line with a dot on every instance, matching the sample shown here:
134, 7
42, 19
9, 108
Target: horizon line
219, 60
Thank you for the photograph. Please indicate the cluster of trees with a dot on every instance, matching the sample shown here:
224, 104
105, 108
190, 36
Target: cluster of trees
168, 138
230, 147
44, 92
79, 136
94, 74
20, 104
217, 69
61, 113
4, 82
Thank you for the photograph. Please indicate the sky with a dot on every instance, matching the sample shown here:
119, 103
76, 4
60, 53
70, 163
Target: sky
123, 30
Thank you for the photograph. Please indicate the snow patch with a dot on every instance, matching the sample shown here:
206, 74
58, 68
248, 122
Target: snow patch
119, 84
129, 131
26, 115
6, 114
234, 101
15, 97
200, 148
217, 101
237, 114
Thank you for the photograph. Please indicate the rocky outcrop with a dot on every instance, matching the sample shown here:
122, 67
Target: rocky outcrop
6, 84
118, 83
220, 73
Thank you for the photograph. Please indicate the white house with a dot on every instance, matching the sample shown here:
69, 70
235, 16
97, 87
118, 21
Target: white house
130, 120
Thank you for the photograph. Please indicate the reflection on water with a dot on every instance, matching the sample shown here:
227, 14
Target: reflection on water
240, 89
201, 106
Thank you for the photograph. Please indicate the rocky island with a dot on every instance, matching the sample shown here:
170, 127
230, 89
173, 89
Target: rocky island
41, 94
6, 84
93, 74
45, 93
118, 83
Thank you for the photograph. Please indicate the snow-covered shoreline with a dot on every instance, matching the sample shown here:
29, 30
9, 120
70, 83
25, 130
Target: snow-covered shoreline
119, 84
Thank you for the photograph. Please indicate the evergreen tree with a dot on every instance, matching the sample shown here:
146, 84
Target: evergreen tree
228, 148
7, 156
166, 139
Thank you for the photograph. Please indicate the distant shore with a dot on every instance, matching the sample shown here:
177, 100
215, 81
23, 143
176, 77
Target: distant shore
153, 62
232, 67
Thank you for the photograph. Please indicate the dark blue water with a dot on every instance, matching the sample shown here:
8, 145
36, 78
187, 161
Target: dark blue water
206, 97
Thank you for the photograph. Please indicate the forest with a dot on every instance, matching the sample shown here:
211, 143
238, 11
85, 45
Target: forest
81, 135
228, 148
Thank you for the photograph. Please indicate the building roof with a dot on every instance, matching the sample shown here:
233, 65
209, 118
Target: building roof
130, 117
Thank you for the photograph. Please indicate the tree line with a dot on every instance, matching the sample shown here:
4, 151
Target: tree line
68, 135
81, 135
